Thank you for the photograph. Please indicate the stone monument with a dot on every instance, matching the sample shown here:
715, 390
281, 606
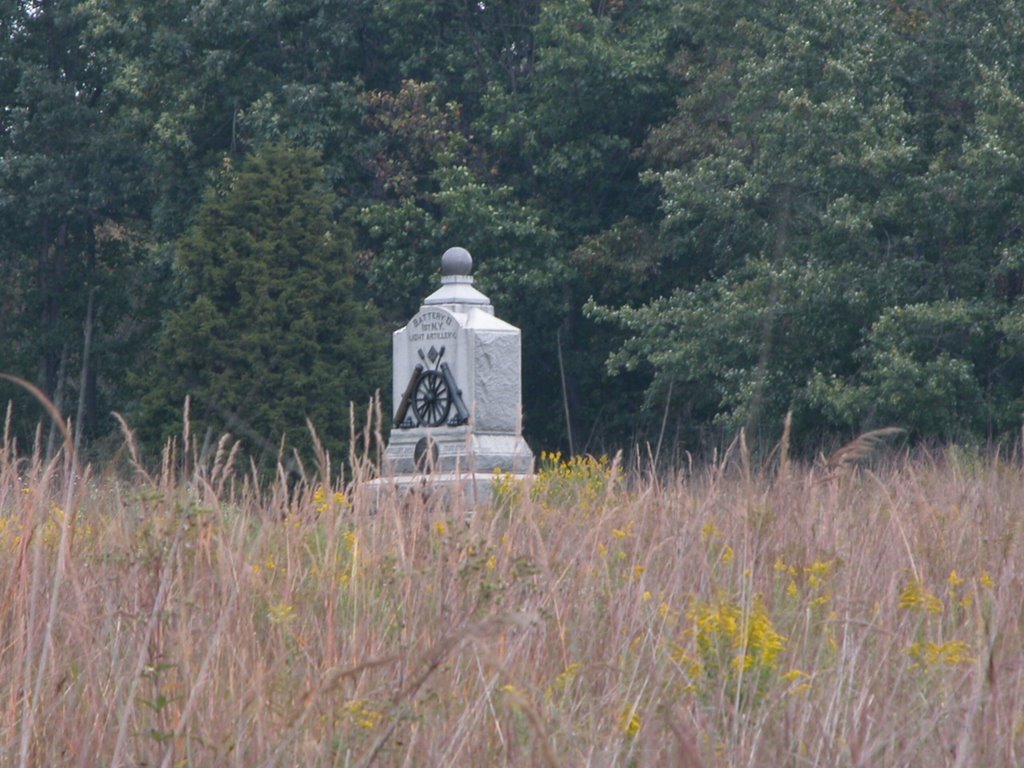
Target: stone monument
457, 390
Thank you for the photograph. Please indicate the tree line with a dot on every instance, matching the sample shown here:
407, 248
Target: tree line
703, 214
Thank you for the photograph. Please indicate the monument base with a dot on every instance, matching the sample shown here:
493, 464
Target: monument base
459, 492
455, 451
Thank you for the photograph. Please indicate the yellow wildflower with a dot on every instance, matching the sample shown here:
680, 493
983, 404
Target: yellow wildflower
952, 652
751, 633
917, 598
363, 714
281, 613
710, 531
320, 499
629, 721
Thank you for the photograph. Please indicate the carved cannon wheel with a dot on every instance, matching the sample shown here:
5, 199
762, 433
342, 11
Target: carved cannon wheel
432, 399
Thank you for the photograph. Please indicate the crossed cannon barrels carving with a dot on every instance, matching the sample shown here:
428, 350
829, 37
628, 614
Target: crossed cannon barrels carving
431, 394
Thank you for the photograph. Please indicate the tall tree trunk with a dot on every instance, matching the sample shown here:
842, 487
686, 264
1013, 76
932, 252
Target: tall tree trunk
58, 400
84, 380
90, 401
51, 285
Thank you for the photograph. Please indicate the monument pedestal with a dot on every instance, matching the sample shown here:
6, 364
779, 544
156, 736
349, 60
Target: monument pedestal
458, 491
457, 388
458, 451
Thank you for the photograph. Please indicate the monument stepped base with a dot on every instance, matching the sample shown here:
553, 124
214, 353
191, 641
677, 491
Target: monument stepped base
461, 492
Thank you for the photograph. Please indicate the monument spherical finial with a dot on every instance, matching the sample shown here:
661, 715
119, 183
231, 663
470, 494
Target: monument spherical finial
456, 261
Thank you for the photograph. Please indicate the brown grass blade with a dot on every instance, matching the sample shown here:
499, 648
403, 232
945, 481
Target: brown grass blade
860, 448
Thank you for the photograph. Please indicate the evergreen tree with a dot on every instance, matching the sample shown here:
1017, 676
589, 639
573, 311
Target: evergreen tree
269, 332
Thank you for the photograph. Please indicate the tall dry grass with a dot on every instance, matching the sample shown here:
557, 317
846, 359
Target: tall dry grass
724, 616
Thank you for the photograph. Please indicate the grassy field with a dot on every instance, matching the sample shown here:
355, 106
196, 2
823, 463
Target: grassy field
728, 615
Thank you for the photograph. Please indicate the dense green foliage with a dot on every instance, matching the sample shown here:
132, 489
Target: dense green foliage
771, 206
267, 333
843, 182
